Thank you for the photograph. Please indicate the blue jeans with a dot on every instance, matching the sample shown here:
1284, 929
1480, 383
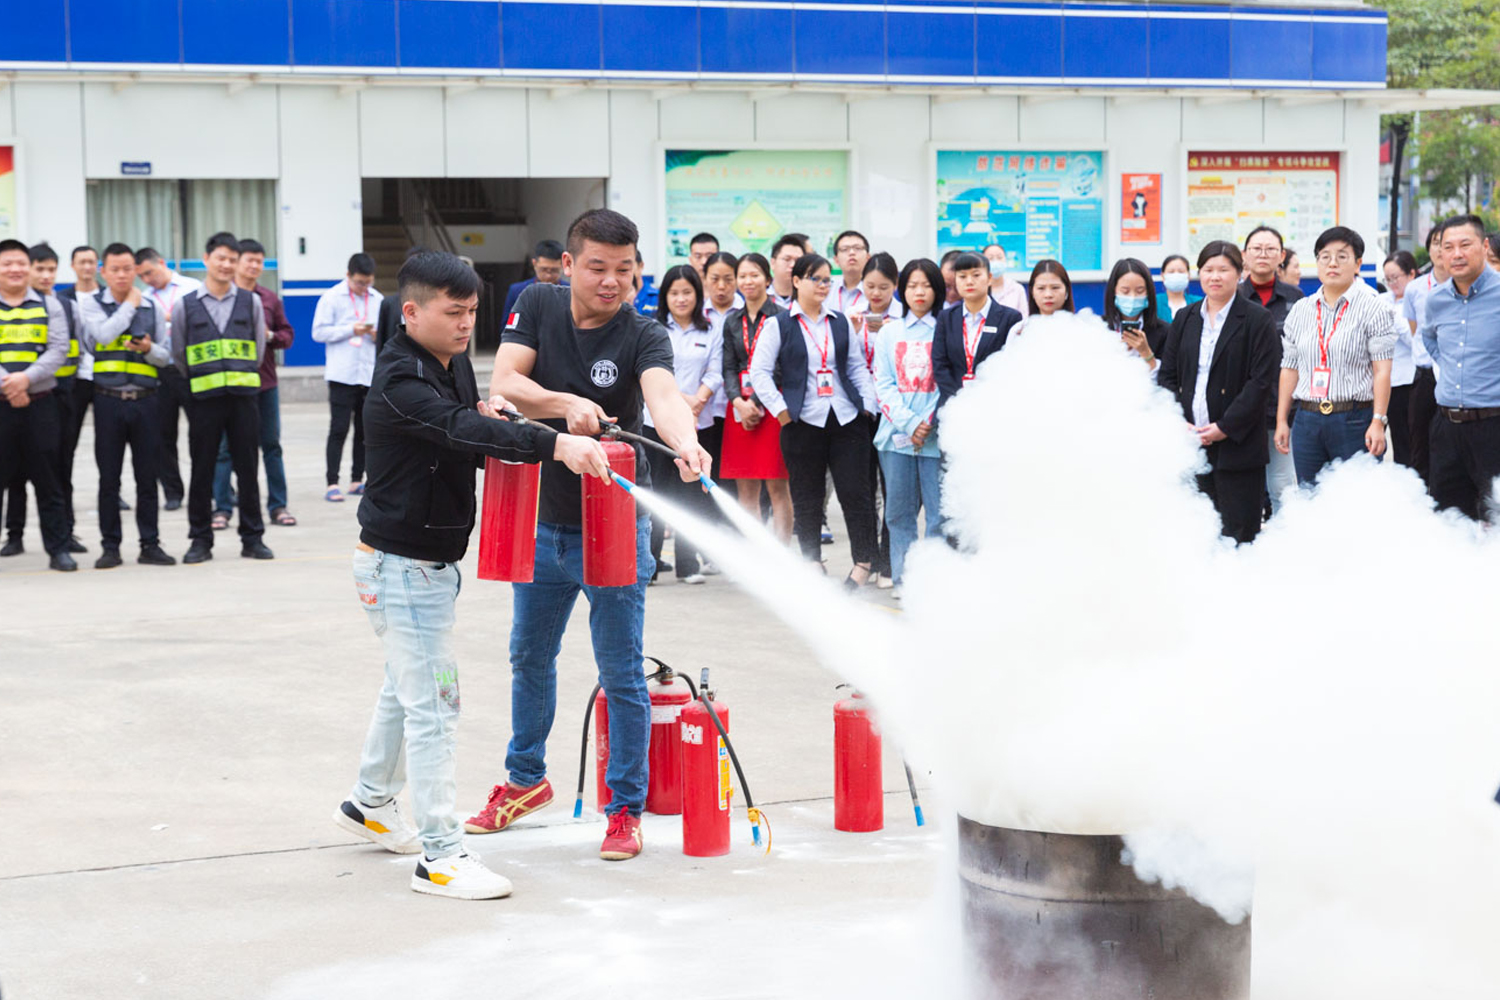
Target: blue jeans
1281, 472
270, 450
410, 605
912, 483
617, 616
1319, 439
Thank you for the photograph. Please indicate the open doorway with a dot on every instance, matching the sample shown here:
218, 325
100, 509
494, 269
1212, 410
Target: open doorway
494, 221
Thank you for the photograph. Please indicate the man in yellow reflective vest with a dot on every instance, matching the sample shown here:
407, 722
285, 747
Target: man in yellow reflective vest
218, 336
127, 337
33, 346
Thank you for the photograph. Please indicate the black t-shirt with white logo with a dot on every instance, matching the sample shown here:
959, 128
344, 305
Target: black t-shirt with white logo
603, 364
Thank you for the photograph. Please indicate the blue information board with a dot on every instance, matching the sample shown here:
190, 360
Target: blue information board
1035, 203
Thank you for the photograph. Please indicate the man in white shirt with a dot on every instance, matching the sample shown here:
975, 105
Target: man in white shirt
852, 251
345, 323
164, 290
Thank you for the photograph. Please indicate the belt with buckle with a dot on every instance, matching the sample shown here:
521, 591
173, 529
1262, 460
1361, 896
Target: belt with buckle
1326, 407
133, 392
1459, 415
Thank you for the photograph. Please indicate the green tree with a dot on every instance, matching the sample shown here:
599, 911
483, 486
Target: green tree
1441, 43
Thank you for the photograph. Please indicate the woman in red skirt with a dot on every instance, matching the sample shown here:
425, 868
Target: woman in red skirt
752, 443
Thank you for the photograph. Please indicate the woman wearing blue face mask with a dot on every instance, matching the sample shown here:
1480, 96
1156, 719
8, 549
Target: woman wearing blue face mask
1130, 309
1004, 290
1174, 279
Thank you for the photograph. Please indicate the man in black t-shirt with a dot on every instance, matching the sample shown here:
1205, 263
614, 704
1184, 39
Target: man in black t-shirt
568, 357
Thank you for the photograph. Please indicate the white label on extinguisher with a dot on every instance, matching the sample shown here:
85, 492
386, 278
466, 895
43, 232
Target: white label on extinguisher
692, 734
723, 776
665, 715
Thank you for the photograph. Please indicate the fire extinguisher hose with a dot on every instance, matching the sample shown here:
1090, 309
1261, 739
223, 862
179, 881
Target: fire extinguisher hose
701, 693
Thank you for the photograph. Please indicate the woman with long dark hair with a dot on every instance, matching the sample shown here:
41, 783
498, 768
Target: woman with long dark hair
1049, 291
752, 443
1130, 310
807, 372
906, 389
697, 363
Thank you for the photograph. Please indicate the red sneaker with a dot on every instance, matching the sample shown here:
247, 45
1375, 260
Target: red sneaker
506, 804
623, 840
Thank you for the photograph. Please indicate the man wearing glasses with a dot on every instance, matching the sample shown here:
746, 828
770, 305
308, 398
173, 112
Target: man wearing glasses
1264, 249
1336, 350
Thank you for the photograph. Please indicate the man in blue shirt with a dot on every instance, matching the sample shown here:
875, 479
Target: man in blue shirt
1461, 330
546, 265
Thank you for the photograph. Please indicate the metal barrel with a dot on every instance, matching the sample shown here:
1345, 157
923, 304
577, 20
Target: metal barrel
1052, 916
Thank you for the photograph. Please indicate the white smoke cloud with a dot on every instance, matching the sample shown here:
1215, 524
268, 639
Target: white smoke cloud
1304, 727
1306, 724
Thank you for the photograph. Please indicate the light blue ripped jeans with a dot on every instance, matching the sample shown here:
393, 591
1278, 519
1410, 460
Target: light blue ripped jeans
410, 606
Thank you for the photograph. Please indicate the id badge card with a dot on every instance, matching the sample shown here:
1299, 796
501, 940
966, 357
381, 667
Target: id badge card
746, 389
1322, 379
825, 383
968, 376
900, 441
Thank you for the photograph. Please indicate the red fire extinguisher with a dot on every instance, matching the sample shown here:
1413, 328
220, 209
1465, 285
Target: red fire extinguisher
706, 787
609, 556
669, 695
858, 798
601, 749
507, 525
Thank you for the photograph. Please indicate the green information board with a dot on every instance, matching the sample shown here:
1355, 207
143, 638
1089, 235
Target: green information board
749, 197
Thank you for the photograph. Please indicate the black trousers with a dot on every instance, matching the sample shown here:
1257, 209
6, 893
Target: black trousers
1421, 405
118, 422
30, 437
666, 480
1465, 462
171, 399
211, 419
1237, 497
345, 402
15, 510
811, 453
1400, 414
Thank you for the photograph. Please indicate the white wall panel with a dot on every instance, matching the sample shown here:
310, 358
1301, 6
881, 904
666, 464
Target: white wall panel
976, 120
569, 134
891, 175
693, 117
1144, 137
803, 118
1304, 126
182, 130
401, 132
320, 181
634, 168
1074, 119
1361, 180
485, 132
50, 117
1220, 122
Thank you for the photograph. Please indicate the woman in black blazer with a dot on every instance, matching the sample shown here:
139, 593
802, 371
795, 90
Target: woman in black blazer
1130, 310
1221, 360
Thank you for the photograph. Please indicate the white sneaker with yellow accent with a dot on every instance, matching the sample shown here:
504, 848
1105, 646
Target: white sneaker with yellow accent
384, 825
459, 876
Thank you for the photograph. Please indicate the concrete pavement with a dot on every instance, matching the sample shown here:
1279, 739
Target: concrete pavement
174, 739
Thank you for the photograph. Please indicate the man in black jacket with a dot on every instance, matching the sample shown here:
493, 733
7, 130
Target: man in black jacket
426, 429
1221, 362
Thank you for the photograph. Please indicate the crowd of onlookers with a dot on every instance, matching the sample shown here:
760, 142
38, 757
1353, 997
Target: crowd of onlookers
805, 371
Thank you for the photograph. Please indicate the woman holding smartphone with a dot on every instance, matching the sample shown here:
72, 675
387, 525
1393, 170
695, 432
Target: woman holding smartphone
752, 443
1130, 310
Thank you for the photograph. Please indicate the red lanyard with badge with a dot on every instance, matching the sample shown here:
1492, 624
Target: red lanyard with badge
866, 344
746, 390
971, 347
166, 309
360, 315
1322, 375
824, 374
